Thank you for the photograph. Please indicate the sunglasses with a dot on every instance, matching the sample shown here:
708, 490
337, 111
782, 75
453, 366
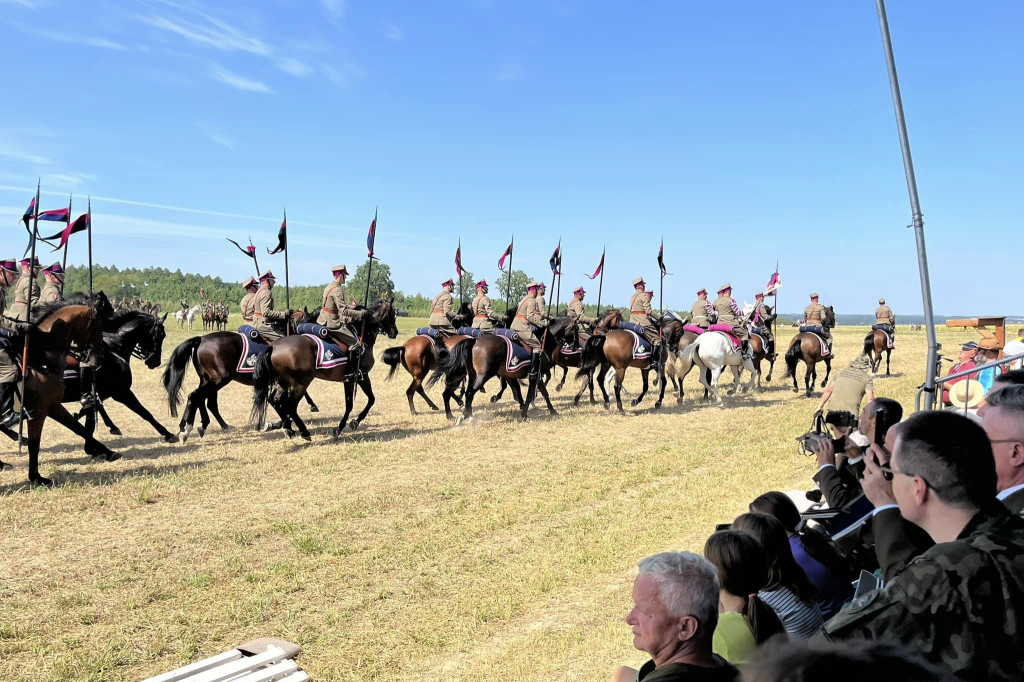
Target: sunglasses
888, 473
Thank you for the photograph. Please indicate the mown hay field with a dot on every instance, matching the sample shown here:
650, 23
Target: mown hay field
410, 550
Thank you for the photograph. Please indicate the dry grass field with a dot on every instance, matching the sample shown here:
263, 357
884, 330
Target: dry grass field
410, 550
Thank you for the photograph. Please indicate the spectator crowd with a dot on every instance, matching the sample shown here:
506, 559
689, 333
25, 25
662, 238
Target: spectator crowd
909, 567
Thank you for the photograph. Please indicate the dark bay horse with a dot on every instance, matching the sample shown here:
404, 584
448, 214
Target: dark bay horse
759, 352
285, 370
215, 357
874, 343
59, 329
486, 356
614, 350
127, 334
610, 320
807, 347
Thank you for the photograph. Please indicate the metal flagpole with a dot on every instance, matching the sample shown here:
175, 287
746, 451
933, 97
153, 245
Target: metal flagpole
600, 285
462, 298
554, 273
287, 287
775, 322
369, 271
558, 292
252, 250
28, 316
64, 261
915, 206
92, 304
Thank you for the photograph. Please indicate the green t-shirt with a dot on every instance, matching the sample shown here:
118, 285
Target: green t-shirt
733, 639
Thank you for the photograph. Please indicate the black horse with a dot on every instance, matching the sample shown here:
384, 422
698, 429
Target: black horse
126, 334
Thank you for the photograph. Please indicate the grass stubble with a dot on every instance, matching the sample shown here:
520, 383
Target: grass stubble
410, 550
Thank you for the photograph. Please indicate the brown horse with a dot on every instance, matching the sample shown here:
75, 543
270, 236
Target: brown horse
486, 356
807, 347
874, 343
757, 348
615, 350
610, 320
289, 366
57, 329
215, 357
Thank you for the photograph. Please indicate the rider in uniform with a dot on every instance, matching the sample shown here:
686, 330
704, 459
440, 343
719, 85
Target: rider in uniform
528, 312
640, 313
8, 366
541, 301
701, 311
337, 315
729, 313
25, 288
814, 314
264, 311
761, 317
248, 303
484, 317
576, 312
885, 318
54, 276
442, 311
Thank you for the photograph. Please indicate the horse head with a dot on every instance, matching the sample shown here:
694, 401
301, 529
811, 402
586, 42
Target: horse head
154, 340
830, 317
384, 315
61, 325
610, 320
562, 329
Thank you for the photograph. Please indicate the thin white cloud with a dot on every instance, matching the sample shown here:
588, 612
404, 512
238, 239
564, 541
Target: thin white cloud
511, 71
394, 32
27, 4
69, 179
90, 41
294, 67
18, 155
343, 74
222, 140
219, 73
211, 32
335, 9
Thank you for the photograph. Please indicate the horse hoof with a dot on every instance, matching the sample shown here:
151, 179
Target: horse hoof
41, 482
201, 431
335, 433
796, 390
306, 437
314, 408
112, 457
494, 399
634, 402
170, 438
289, 433
353, 425
657, 405
115, 432
4, 466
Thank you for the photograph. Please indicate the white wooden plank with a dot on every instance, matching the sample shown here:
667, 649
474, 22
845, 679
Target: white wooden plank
185, 672
274, 672
234, 668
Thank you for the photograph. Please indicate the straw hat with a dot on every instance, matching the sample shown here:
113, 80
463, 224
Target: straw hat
967, 394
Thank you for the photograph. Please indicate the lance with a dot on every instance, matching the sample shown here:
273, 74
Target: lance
92, 304
775, 322
661, 287
28, 316
462, 301
369, 272
558, 292
600, 285
508, 289
255, 262
554, 272
64, 261
287, 289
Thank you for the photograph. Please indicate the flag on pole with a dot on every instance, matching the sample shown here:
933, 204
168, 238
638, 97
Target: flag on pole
661, 259
501, 261
80, 224
249, 251
29, 212
600, 267
556, 260
458, 261
282, 238
371, 236
774, 283
57, 214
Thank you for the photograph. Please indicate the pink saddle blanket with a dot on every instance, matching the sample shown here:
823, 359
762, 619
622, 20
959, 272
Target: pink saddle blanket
726, 329
693, 329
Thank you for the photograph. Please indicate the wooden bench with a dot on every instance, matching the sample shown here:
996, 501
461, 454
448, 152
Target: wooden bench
261, 660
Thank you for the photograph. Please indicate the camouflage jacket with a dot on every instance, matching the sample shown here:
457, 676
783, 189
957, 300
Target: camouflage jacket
959, 604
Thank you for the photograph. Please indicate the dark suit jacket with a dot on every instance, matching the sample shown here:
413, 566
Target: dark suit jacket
1015, 502
896, 540
840, 484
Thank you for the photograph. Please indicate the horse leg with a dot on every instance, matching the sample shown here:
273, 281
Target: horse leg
309, 400
828, 370
188, 418
605, 367
888, 353
771, 367
93, 447
796, 387
531, 394
292, 410
643, 390
565, 371
517, 393
501, 391
350, 389
204, 415
661, 392
35, 431
587, 383
447, 394
107, 421
131, 401
810, 377
547, 399
215, 408
620, 374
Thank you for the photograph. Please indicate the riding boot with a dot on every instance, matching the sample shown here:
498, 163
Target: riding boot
745, 350
8, 417
354, 355
655, 357
534, 365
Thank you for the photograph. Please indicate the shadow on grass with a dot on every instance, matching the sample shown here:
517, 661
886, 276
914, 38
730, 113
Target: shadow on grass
100, 477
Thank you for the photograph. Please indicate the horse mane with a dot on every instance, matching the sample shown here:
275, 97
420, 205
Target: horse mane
41, 312
558, 326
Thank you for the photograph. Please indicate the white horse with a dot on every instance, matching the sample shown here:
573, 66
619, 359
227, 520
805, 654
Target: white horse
713, 351
187, 317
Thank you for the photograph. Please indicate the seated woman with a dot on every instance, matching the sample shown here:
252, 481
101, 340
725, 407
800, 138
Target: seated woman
789, 591
744, 620
812, 552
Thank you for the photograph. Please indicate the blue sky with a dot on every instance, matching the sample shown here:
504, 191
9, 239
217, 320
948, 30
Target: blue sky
746, 133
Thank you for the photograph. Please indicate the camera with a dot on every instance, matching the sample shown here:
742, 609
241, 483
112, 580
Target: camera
812, 439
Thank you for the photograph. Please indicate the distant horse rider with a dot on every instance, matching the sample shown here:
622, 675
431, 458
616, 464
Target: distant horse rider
528, 312
701, 311
184, 304
248, 303
640, 313
54, 276
264, 313
814, 315
729, 313
885, 320
26, 288
762, 317
442, 311
336, 315
484, 317
576, 312
8, 366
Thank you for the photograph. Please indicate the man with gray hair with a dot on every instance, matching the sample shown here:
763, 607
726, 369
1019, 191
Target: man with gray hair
674, 616
1004, 423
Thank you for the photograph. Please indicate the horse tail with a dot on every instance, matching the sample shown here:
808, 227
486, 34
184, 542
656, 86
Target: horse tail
454, 361
393, 358
174, 373
792, 357
263, 375
593, 352
440, 349
869, 344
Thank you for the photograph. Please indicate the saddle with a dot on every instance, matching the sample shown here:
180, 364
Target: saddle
693, 329
812, 329
518, 355
251, 333
328, 354
431, 332
311, 329
513, 335
469, 331
726, 330
251, 349
885, 329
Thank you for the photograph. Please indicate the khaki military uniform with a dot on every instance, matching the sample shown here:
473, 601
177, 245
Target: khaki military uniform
761, 317
542, 304
958, 605
25, 284
248, 306
640, 313
442, 312
50, 293
8, 367
264, 314
336, 315
700, 313
814, 314
575, 311
527, 313
850, 386
884, 315
729, 313
484, 317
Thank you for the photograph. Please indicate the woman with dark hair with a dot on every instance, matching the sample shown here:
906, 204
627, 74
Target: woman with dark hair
812, 552
744, 620
789, 591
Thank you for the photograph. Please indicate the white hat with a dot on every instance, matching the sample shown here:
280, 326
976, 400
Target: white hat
967, 393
